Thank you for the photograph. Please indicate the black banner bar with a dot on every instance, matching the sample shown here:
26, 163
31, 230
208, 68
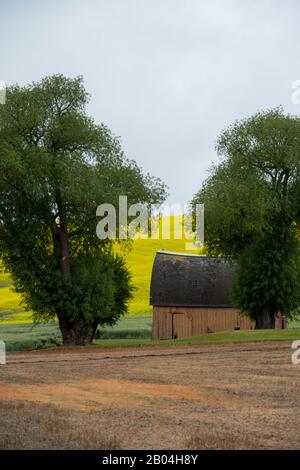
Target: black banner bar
136, 459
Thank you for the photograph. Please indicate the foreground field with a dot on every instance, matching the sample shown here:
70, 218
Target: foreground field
220, 396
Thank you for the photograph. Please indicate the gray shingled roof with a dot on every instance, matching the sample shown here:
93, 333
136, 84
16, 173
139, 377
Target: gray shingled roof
190, 280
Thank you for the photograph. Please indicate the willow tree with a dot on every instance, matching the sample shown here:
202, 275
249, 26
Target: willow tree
252, 212
56, 166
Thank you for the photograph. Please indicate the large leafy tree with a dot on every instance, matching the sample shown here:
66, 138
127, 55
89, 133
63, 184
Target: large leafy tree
252, 212
56, 167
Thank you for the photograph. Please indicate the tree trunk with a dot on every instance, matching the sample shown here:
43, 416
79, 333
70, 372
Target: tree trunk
76, 333
64, 254
63, 243
266, 320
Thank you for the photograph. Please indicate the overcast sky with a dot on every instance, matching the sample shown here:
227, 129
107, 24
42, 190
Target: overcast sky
165, 75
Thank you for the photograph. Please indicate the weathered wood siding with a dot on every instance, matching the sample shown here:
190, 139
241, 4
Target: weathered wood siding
183, 322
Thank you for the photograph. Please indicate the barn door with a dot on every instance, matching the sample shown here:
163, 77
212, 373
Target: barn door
181, 326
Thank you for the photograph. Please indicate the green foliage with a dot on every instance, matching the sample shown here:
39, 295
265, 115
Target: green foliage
268, 277
252, 210
99, 290
56, 167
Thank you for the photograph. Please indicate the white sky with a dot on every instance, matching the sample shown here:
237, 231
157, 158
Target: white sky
165, 75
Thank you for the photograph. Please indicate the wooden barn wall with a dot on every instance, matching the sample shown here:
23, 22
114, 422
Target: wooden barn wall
193, 321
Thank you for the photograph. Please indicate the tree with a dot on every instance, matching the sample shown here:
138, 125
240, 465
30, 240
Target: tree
56, 167
268, 277
252, 212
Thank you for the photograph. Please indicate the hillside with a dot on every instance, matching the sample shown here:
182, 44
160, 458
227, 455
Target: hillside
140, 261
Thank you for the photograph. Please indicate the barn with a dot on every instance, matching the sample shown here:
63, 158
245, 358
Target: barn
190, 296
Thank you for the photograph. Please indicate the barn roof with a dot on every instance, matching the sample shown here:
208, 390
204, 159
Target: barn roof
180, 279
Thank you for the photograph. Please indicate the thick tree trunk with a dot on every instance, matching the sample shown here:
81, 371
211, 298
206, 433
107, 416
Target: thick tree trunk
64, 254
265, 321
63, 243
76, 333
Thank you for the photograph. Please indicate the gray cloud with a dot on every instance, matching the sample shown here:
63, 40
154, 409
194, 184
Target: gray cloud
165, 75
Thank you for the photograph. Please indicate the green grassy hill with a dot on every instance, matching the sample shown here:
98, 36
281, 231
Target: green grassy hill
140, 261
10, 310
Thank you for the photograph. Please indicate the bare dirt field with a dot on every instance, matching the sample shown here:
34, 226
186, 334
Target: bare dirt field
198, 397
